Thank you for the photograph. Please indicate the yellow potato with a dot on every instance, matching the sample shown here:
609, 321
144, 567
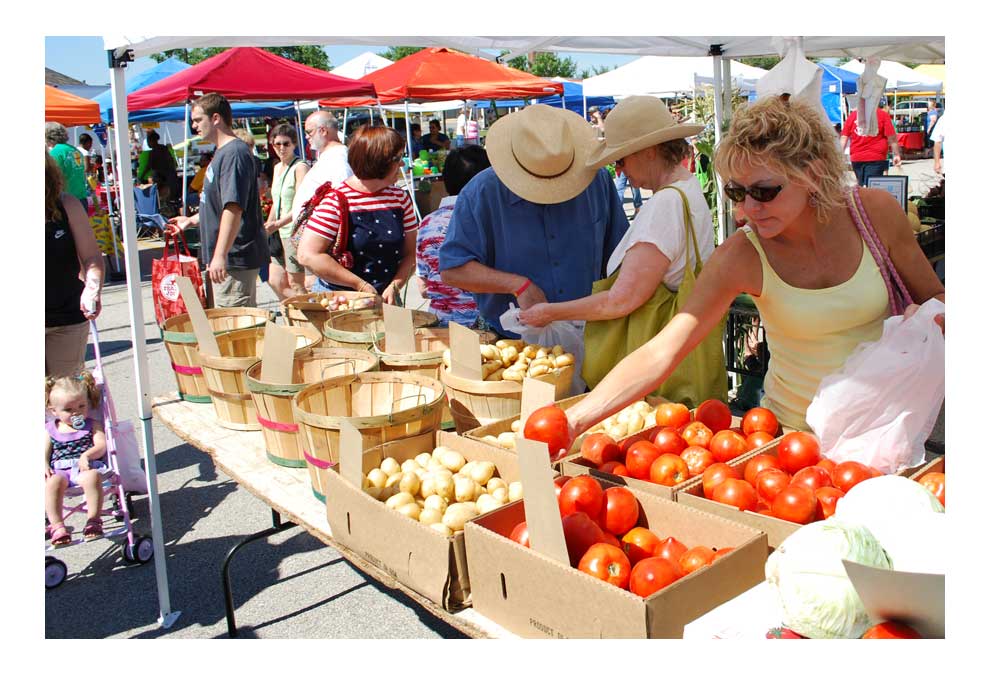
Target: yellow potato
537, 371
517, 344
399, 499
377, 477
482, 472
458, 514
514, 375
410, 510
423, 459
374, 491
452, 460
394, 479
516, 426
515, 491
496, 376
507, 440
410, 483
442, 529
444, 486
409, 466
500, 494
464, 489
487, 503
495, 483
390, 466
563, 360
430, 516
435, 502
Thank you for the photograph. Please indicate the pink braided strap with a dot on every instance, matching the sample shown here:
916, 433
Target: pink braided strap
318, 463
899, 296
187, 370
277, 426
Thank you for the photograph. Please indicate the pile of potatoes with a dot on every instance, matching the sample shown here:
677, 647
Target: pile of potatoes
440, 489
627, 421
340, 303
514, 360
506, 439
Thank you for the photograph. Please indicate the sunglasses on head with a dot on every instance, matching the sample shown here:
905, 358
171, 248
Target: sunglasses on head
737, 193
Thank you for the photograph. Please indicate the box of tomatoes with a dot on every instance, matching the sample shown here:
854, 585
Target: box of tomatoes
777, 488
932, 476
588, 558
669, 455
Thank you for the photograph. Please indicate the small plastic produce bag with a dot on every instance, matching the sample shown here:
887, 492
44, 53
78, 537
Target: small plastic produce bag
882, 405
567, 334
132, 476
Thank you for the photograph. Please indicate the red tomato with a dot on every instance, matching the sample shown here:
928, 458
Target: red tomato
695, 558
713, 414
520, 534
934, 482
770, 482
763, 510
826, 498
614, 468
781, 633
812, 477
722, 552
620, 511
639, 543
668, 440
795, 503
797, 450
697, 433
599, 448
625, 444
672, 415
669, 469
609, 538
760, 419
826, 464
608, 563
697, 459
581, 493
847, 474
671, 549
736, 492
549, 425
726, 445
650, 575
757, 439
580, 534
640, 458
714, 475
757, 464
558, 483
891, 630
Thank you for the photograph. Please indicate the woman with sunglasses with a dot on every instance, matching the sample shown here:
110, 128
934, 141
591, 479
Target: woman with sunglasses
381, 224
285, 275
651, 271
801, 257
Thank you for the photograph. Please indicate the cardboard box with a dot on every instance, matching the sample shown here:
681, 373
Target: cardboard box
534, 592
936, 465
419, 557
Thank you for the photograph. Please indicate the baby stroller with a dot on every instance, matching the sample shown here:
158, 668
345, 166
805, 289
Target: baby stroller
117, 502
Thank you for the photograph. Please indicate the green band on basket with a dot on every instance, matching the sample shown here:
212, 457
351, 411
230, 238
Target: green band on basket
290, 463
192, 398
319, 496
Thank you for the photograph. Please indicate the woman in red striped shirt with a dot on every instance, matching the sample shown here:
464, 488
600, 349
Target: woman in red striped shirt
381, 231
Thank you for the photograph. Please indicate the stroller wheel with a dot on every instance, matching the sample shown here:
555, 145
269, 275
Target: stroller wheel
55, 571
141, 552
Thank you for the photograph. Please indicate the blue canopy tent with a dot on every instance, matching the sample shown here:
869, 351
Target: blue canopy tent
573, 100
177, 113
835, 83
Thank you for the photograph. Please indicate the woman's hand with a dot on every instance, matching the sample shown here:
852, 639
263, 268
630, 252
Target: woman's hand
939, 318
538, 316
391, 294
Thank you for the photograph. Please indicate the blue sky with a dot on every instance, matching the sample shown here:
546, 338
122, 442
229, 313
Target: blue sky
84, 58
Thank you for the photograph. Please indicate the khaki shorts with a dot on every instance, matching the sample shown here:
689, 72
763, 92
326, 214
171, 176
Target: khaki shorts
239, 289
292, 265
65, 349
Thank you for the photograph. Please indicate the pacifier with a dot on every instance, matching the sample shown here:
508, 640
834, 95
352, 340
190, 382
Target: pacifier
77, 422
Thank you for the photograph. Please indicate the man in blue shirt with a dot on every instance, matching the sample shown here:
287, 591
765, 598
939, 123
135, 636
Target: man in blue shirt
539, 225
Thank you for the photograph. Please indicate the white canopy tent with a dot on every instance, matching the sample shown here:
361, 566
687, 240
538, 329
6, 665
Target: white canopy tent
124, 48
899, 77
658, 75
361, 65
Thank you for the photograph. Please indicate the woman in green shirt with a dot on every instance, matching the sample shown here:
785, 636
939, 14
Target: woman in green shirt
285, 275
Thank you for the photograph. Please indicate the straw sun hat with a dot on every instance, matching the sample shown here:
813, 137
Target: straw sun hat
541, 153
635, 123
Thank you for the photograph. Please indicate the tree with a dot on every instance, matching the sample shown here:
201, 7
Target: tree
309, 55
595, 70
764, 62
544, 64
397, 53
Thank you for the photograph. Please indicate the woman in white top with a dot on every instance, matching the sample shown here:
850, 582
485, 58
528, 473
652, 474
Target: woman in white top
285, 275
648, 146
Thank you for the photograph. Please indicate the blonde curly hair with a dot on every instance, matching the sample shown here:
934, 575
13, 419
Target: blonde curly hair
82, 382
788, 137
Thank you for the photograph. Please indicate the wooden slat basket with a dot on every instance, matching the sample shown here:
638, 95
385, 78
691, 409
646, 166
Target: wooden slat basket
273, 400
306, 310
360, 329
383, 406
183, 349
224, 374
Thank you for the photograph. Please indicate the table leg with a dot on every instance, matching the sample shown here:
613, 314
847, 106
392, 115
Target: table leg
277, 526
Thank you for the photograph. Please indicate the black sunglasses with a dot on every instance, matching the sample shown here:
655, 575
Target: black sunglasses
737, 193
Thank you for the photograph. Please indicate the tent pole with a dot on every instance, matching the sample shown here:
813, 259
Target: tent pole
584, 104
185, 159
411, 182
299, 130
346, 110
723, 225
166, 617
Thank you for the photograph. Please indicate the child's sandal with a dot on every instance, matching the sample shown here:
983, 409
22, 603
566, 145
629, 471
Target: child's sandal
93, 529
60, 536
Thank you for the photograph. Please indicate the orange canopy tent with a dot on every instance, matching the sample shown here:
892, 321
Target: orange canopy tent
439, 74
69, 109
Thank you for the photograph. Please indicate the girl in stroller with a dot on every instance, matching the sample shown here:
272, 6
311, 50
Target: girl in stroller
74, 446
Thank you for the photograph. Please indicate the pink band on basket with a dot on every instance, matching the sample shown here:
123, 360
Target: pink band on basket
277, 426
187, 370
318, 463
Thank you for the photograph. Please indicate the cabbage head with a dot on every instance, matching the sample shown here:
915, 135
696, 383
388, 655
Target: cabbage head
817, 599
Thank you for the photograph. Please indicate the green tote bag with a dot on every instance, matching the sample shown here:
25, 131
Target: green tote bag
700, 376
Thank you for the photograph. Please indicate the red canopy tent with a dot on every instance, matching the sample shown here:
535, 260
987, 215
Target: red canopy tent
247, 74
439, 74
69, 109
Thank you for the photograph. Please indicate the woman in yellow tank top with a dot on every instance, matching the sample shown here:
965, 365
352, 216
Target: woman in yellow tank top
801, 257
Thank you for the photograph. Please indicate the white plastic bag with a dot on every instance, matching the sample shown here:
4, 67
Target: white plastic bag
882, 405
132, 476
567, 334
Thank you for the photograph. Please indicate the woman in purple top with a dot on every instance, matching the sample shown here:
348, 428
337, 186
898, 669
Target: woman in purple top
74, 445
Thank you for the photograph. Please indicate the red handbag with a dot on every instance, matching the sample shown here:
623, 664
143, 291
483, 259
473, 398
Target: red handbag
338, 247
165, 272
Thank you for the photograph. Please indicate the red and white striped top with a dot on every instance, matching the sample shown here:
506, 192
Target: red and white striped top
325, 220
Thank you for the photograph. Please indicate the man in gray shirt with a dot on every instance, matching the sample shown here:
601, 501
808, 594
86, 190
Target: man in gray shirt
234, 241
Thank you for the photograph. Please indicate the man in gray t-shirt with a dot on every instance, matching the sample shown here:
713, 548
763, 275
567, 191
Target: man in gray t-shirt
234, 241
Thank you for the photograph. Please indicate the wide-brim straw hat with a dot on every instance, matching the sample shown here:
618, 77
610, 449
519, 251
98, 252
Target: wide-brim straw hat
541, 153
635, 123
